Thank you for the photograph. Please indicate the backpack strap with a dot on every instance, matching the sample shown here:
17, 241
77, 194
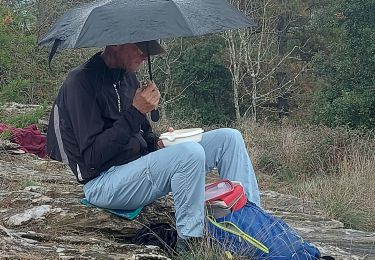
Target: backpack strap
232, 228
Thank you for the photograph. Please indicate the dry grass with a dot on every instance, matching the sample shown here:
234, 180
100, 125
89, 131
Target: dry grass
207, 249
350, 194
332, 167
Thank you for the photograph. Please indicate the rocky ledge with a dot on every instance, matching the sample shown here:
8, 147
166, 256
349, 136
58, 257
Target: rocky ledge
41, 218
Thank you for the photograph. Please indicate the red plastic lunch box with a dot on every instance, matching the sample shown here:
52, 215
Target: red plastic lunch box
224, 196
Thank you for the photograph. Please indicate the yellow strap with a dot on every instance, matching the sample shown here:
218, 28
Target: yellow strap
228, 255
239, 233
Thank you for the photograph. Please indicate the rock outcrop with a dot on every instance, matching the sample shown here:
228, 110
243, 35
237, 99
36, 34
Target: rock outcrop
41, 218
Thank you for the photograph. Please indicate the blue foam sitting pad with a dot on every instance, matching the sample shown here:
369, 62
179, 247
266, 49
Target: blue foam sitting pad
127, 214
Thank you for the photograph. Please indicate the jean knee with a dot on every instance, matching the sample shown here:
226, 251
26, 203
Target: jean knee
231, 133
192, 152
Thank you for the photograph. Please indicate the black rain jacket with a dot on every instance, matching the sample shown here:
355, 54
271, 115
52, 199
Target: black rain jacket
86, 129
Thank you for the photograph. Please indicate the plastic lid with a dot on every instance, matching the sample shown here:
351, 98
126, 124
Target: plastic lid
181, 133
217, 189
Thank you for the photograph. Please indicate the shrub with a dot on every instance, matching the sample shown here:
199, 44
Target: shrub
347, 65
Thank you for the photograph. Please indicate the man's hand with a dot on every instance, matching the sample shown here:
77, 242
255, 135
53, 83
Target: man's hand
147, 98
160, 144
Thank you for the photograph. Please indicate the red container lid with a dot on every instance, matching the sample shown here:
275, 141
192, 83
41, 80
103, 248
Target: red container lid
218, 190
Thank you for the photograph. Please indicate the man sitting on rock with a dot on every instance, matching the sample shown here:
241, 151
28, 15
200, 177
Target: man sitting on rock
98, 126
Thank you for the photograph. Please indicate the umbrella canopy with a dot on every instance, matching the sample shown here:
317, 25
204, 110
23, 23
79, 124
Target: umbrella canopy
112, 22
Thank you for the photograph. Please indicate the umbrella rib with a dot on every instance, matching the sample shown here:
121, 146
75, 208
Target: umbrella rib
186, 21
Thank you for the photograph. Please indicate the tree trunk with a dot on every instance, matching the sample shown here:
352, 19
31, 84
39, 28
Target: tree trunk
234, 68
235, 101
282, 75
254, 98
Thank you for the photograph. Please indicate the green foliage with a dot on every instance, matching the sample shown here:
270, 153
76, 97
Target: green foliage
15, 90
347, 66
25, 119
24, 73
339, 107
16, 47
28, 182
6, 135
209, 95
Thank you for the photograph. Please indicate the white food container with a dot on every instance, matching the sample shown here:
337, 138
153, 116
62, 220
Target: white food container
181, 136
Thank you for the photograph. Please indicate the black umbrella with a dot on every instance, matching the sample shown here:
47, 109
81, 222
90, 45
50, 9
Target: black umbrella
112, 22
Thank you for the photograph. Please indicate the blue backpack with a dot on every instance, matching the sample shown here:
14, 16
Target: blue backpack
253, 233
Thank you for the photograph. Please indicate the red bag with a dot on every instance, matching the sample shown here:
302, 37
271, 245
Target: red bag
223, 197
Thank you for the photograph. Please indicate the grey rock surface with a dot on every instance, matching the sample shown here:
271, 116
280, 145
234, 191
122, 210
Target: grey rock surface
328, 234
13, 108
41, 218
6, 146
29, 214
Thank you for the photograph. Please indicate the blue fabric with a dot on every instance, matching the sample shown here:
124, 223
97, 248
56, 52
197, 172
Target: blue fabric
280, 239
127, 214
180, 169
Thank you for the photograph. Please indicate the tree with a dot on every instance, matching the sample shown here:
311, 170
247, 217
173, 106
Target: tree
347, 65
17, 44
260, 58
24, 73
200, 68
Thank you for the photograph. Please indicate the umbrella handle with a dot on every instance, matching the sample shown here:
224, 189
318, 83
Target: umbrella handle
155, 115
149, 64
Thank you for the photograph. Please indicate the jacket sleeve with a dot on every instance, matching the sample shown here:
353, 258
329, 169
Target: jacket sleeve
96, 144
150, 137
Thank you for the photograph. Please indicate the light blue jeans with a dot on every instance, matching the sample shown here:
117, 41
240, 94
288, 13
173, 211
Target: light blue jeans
180, 169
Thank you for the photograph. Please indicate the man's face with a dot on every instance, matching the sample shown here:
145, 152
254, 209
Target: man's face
129, 57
